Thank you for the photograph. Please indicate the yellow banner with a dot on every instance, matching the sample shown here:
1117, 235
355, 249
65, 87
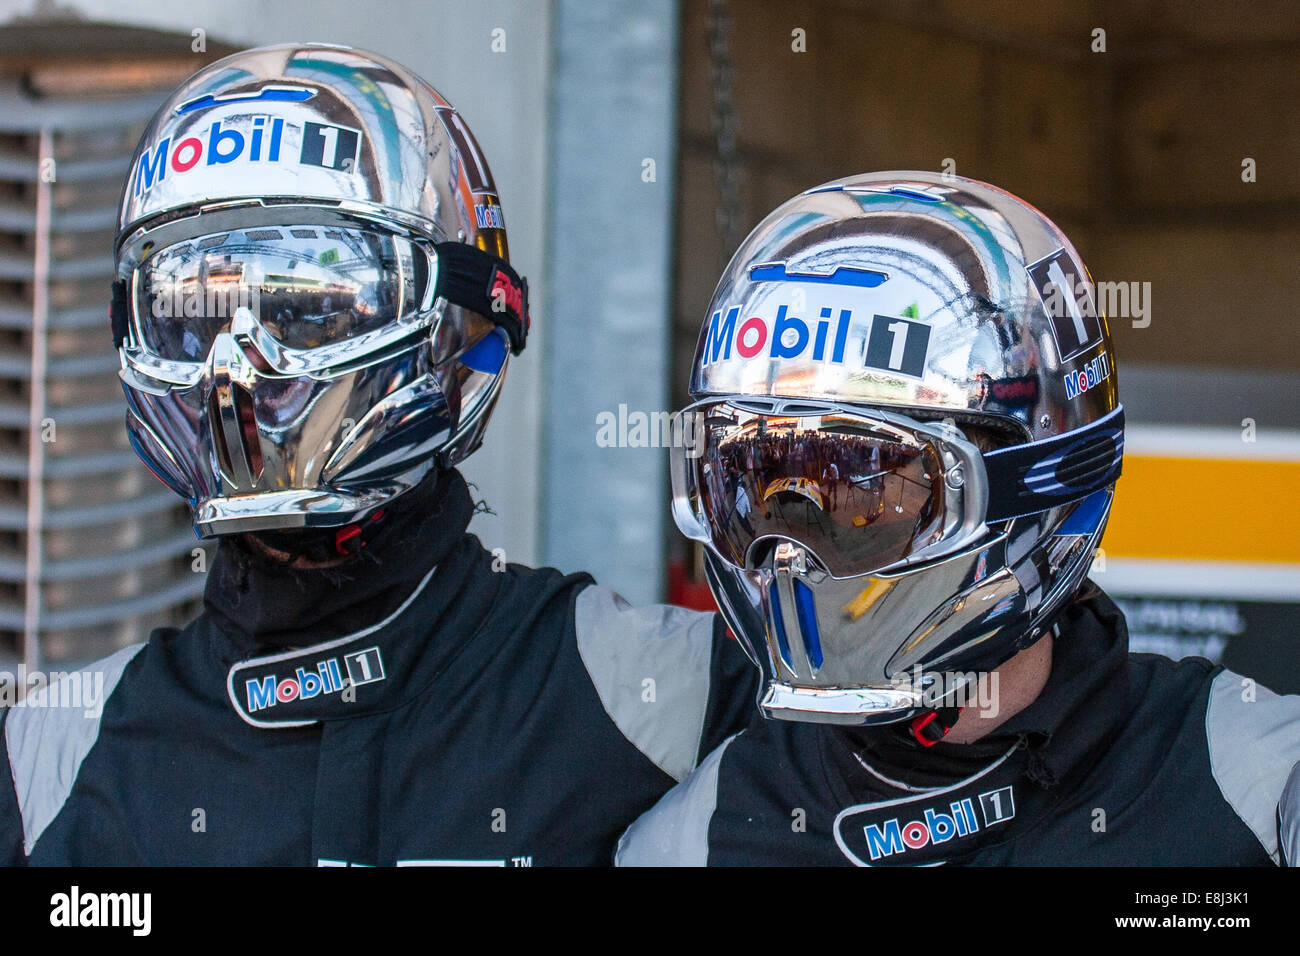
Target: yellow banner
1206, 509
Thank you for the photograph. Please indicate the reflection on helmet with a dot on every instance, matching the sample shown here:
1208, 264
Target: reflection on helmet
823, 479
314, 304
307, 287
912, 434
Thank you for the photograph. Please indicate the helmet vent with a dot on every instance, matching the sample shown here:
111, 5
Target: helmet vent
234, 435
251, 444
218, 440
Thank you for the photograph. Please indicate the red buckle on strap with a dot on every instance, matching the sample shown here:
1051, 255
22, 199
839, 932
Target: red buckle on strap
344, 535
350, 531
928, 729
919, 725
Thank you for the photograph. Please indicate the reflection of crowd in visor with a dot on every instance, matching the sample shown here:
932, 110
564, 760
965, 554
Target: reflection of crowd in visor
819, 487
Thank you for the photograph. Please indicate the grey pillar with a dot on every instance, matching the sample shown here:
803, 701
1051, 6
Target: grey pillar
613, 153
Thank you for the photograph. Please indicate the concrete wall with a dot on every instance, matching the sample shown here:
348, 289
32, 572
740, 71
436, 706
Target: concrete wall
612, 175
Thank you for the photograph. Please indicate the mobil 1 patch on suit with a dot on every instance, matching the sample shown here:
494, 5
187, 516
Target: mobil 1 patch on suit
897, 345
1067, 297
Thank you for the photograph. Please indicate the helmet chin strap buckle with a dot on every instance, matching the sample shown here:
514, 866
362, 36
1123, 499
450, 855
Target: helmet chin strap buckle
348, 540
932, 726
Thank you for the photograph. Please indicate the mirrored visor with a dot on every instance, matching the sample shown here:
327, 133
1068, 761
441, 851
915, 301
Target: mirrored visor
308, 286
859, 495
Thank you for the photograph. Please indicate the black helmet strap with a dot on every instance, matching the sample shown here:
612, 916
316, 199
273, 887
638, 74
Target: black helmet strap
484, 283
1029, 479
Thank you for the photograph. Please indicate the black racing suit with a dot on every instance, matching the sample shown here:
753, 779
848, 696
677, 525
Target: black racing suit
1123, 759
423, 703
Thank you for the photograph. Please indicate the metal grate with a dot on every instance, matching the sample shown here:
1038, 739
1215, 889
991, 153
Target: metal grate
94, 551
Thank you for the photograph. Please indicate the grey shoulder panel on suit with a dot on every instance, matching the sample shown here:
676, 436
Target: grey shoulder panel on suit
1288, 818
1254, 742
651, 669
49, 734
675, 831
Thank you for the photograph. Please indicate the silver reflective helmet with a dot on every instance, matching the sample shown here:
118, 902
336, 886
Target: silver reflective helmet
910, 438
313, 302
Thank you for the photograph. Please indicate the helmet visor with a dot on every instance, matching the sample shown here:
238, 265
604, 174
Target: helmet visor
307, 286
860, 495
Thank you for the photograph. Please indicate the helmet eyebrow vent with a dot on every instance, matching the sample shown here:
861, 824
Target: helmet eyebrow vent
802, 408
762, 406
780, 406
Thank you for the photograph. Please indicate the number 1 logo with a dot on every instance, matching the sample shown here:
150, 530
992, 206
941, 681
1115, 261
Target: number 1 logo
998, 805
898, 345
364, 667
476, 167
1068, 302
333, 147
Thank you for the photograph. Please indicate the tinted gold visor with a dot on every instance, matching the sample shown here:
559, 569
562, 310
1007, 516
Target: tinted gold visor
859, 495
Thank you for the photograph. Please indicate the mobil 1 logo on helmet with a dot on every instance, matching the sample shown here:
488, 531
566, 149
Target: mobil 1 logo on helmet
245, 139
830, 333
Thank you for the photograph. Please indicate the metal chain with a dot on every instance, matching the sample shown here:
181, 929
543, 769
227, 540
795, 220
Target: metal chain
726, 162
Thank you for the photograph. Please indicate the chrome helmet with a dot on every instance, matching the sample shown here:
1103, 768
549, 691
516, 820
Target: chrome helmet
313, 302
908, 439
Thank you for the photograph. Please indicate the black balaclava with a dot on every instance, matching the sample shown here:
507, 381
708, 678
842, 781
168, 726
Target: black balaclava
261, 601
